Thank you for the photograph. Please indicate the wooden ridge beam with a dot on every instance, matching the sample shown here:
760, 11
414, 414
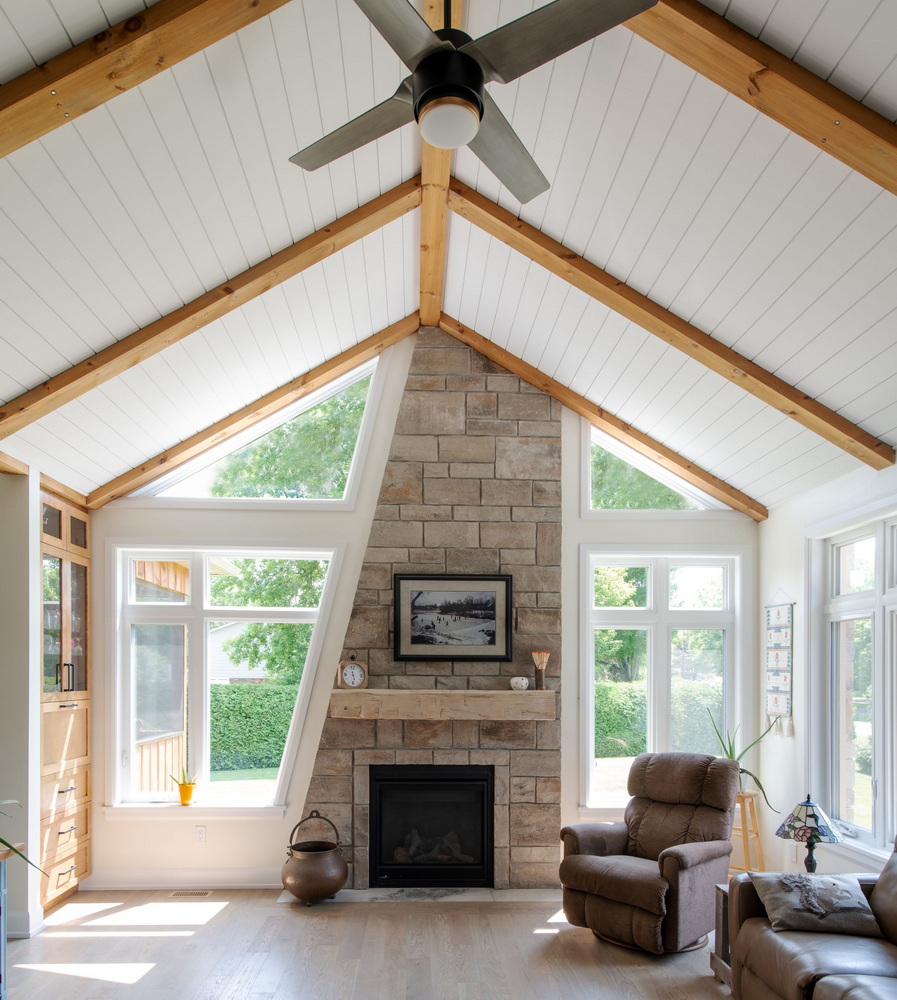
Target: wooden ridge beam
774, 85
116, 60
236, 292
607, 422
436, 166
12, 466
249, 415
673, 330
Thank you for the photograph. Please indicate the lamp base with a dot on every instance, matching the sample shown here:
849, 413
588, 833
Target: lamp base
810, 860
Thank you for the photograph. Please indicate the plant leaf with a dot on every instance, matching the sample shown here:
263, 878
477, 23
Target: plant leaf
760, 788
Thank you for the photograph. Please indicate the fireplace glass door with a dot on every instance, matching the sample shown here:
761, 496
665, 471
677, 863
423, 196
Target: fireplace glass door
431, 825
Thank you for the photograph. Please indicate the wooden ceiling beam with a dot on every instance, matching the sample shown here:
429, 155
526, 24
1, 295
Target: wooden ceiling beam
170, 329
116, 60
673, 330
436, 167
775, 85
224, 430
12, 466
607, 422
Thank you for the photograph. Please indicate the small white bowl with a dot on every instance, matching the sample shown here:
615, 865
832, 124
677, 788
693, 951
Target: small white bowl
520, 683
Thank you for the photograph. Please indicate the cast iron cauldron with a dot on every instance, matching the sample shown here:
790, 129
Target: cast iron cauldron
314, 869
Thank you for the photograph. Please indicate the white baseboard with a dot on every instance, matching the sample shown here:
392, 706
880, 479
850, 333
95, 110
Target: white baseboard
182, 878
22, 924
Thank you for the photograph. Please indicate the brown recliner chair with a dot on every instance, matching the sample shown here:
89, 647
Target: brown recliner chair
649, 882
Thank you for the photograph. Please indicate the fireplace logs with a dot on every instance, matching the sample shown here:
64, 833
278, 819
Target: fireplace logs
438, 850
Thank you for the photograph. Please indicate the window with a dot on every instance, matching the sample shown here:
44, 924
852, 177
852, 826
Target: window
861, 628
212, 657
305, 452
662, 654
621, 479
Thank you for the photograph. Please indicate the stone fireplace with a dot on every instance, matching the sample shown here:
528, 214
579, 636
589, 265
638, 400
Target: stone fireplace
472, 486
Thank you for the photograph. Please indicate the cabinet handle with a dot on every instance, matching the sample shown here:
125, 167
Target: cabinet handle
68, 704
71, 829
69, 677
66, 872
64, 791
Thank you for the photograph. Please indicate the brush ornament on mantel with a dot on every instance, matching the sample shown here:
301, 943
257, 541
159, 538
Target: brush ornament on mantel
540, 658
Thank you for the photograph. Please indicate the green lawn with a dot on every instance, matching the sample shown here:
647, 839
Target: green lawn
250, 774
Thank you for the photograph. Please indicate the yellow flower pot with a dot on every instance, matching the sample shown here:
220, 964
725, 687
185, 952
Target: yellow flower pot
186, 792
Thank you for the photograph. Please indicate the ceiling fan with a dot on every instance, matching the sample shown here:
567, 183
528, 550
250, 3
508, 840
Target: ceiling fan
445, 92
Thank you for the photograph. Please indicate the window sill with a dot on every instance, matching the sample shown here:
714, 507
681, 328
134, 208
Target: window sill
853, 852
167, 811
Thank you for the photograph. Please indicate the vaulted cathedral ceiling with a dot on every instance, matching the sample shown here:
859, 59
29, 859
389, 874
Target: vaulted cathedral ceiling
710, 276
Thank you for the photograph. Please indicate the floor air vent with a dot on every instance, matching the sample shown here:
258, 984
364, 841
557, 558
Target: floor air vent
190, 893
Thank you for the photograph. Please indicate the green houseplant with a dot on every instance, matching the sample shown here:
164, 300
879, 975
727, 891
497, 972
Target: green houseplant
186, 786
728, 745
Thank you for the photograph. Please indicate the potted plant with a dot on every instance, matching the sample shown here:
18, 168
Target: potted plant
727, 744
186, 786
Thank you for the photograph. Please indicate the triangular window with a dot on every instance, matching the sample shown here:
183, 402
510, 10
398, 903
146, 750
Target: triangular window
305, 452
621, 479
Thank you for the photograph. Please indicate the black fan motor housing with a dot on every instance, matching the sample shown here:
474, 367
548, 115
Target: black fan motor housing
447, 73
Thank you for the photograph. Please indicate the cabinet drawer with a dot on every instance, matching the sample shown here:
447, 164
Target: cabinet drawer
66, 870
64, 792
60, 833
65, 735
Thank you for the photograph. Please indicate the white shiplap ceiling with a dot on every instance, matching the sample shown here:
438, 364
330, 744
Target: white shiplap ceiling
660, 177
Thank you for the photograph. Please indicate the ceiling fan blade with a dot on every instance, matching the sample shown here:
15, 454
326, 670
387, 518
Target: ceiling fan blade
407, 33
498, 146
537, 38
379, 121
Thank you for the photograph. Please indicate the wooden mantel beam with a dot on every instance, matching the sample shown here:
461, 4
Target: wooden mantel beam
607, 422
775, 85
170, 329
116, 60
673, 330
250, 415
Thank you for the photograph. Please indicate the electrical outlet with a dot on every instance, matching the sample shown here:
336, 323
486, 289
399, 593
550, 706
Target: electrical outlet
200, 834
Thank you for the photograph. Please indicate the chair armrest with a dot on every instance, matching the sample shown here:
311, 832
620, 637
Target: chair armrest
595, 838
691, 855
744, 903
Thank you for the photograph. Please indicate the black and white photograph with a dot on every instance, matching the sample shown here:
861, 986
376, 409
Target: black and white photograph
452, 617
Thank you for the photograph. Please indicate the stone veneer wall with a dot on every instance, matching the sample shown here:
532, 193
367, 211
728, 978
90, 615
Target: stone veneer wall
472, 486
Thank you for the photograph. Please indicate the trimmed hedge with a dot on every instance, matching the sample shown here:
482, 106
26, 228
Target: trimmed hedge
249, 724
621, 713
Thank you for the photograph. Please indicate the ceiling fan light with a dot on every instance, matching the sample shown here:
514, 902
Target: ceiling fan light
449, 122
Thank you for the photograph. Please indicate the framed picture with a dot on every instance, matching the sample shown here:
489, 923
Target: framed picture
452, 617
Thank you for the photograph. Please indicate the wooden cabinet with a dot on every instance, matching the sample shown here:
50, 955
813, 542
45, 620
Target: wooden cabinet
65, 696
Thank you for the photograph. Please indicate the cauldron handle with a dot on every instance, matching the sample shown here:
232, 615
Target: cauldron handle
314, 814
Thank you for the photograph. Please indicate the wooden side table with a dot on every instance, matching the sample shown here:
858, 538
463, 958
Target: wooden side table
720, 962
748, 833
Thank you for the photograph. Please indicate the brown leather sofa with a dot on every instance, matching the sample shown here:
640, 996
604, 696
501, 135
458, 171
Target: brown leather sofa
800, 965
649, 882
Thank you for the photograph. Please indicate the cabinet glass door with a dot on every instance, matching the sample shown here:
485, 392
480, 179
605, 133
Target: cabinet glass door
75, 669
52, 624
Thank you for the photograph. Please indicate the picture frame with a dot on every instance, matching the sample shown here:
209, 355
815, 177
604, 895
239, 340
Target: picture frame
452, 617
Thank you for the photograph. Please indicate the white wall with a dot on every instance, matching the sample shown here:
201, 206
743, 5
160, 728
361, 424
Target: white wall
20, 702
153, 846
789, 764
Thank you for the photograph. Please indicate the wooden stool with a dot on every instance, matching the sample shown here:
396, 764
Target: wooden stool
748, 832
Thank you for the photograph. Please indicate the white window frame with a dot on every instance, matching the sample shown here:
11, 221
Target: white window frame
377, 368
661, 621
880, 605
195, 614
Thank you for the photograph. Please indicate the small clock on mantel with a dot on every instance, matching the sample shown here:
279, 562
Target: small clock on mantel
352, 674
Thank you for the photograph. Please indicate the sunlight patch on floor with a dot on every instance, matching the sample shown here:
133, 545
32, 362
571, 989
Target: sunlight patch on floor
125, 974
70, 912
161, 915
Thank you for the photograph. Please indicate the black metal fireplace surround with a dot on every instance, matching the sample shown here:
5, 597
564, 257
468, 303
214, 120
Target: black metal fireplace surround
431, 825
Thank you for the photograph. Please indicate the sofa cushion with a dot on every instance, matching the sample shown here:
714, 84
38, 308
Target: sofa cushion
855, 988
790, 962
884, 899
832, 904
633, 881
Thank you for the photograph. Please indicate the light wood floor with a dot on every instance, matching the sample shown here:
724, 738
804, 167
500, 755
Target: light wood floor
245, 945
